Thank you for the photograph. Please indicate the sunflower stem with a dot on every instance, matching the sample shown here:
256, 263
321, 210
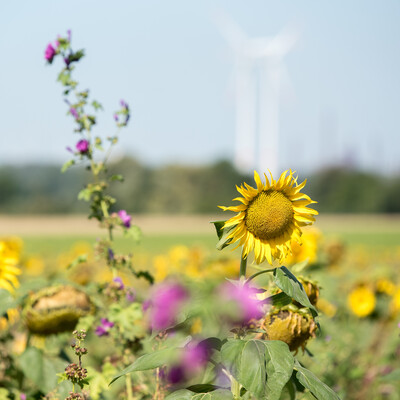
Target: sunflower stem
259, 273
243, 266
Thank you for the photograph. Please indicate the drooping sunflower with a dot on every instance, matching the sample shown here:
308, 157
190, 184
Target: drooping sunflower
9, 259
270, 216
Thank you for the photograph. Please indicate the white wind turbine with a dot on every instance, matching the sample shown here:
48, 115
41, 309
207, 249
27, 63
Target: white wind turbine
259, 71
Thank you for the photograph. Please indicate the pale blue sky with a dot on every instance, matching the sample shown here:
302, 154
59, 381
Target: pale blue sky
168, 60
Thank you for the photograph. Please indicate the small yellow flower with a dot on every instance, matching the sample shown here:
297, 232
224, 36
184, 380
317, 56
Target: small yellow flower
385, 286
361, 301
9, 259
395, 303
270, 217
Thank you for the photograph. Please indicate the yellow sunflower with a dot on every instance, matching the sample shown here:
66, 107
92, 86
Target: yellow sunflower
9, 259
361, 301
270, 216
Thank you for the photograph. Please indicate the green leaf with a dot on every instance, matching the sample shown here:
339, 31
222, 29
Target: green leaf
246, 361
67, 165
149, 361
222, 234
40, 369
127, 320
6, 301
85, 194
96, 105
289, 284
313, 384
220, 394
119, 178
279, 367
78, 260
134, 232
4, 394
280, 299
182, 394
64, 77
202, 388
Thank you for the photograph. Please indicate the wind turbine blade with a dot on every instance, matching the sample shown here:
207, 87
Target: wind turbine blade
286, 39
230, 30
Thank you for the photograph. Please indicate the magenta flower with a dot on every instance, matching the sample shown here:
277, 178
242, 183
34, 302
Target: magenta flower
74, 113
130, 295
49, 53
104, 328
125, 218
195, 356
82, 146
165, 305
120, 284
243, 299
124, 104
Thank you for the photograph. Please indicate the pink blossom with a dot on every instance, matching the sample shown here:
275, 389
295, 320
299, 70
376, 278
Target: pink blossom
49, 53
125, 218
82, 146
245, 302
166, 302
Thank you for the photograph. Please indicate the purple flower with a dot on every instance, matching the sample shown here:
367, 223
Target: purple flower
130, 295
22, 396
67, 62
167, 301
118, 280
124, 104
195, 356
69, 35
246, 305
82, 146
116, 117
49, 53
74, 113
69, 149
110, 254
176, 374
104, 328
125, 218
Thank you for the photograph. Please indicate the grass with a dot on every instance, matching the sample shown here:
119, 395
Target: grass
160, 243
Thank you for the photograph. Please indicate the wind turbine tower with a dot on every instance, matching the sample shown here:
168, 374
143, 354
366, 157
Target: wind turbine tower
259, 71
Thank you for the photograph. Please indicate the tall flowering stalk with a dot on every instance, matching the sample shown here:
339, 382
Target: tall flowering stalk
93, 152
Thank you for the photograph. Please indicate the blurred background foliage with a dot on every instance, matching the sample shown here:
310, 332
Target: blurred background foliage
41, 189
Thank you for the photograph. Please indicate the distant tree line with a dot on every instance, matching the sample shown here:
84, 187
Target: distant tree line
185, 189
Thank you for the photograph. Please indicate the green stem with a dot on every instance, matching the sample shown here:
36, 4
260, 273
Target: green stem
243, 266
235, 389
104, 209
259, 273
128, 382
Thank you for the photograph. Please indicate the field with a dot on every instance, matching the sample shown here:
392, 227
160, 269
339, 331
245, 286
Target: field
355, 352
52, 234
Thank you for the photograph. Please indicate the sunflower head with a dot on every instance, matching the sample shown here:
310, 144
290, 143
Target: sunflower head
361, 301
293, 328
56, 309
270, 216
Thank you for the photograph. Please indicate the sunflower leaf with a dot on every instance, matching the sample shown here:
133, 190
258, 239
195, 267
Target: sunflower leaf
319, 389
289, 284
223, 234
148, 361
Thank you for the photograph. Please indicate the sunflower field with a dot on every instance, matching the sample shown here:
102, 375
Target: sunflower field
264, 306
